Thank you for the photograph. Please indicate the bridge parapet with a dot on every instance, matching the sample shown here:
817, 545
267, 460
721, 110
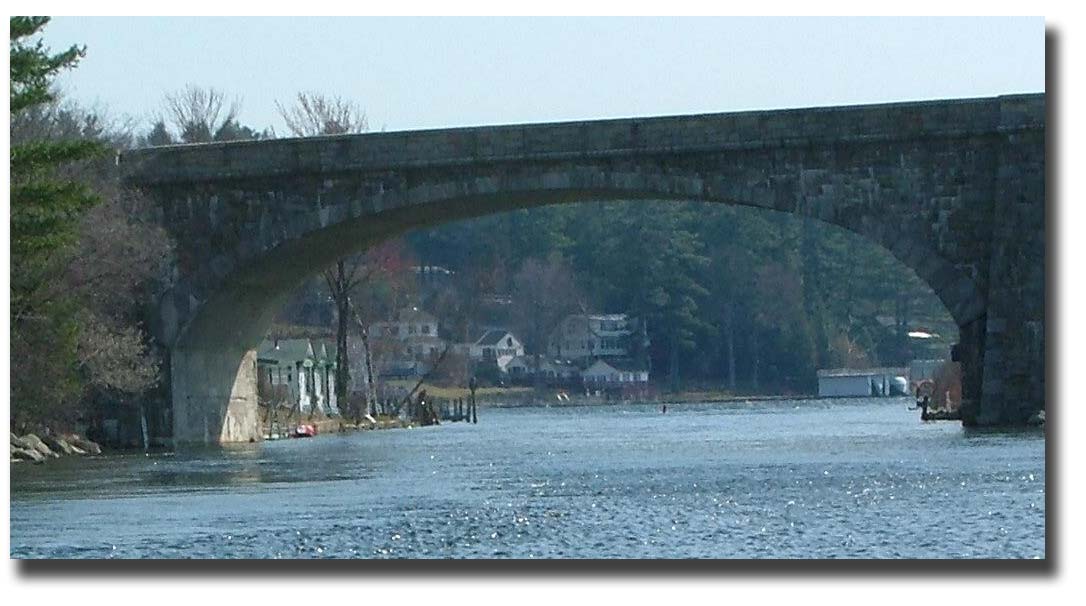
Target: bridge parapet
585, 139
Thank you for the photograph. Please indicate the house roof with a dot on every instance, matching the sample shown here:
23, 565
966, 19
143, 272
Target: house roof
492, 337
285, 350
325, 350
529, 362
621, 364
598, 317
293, 351
860, 372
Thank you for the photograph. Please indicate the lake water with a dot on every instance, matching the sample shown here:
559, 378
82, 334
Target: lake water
783, 479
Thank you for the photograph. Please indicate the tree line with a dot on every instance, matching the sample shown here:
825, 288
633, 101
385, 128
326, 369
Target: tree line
739, 298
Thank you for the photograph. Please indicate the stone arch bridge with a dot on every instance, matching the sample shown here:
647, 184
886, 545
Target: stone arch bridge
955, 189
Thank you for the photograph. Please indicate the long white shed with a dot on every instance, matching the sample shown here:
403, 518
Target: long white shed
851, 382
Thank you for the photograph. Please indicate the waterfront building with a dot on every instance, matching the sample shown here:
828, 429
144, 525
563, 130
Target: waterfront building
409, 322
614, 371
585, 336
522, 369
866, 382
496, 347
405, 346
298, 373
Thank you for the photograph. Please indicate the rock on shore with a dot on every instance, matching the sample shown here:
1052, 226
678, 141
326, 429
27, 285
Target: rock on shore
1037, 419
32, 448
37, 444
26, 454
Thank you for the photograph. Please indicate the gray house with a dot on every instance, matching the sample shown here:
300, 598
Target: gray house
300, 373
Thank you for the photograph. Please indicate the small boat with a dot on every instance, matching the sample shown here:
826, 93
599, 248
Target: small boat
304, 431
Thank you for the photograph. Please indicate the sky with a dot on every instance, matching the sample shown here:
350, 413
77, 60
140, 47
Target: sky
414, 73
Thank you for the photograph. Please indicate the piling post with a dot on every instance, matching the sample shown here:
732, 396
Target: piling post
472, 386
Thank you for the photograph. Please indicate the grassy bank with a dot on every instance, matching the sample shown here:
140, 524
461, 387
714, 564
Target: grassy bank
452, 393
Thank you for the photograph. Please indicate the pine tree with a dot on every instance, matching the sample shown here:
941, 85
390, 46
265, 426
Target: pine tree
45, 211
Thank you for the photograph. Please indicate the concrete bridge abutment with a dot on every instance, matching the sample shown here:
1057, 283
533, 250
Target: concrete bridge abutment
214, 396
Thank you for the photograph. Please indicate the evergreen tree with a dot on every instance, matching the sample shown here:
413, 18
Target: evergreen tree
45, 211
159, 135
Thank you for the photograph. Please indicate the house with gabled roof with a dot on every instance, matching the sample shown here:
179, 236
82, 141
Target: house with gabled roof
615, 371
300, 373
495, 346
587, 336
408, 322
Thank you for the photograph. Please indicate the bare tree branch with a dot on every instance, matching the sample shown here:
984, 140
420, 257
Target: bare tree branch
315, 114
196, 113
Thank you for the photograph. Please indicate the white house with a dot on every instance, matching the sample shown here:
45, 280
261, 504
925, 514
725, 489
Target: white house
496, 346
603, 372
581, 336
404, 346
409, 322
299, 373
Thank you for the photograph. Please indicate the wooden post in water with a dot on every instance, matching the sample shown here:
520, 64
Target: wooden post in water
472, 386
143, 427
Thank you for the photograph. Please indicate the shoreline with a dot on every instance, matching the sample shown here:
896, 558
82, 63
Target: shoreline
692, 398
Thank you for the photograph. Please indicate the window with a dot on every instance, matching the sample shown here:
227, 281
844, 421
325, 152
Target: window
425, 329
410, 329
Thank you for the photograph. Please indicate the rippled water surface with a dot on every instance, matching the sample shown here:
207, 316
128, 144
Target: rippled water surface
787, 479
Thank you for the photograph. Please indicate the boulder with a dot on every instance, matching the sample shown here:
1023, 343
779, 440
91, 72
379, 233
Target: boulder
26, 454
1037, 419
37, 444
58, 445
18, 442
83, 444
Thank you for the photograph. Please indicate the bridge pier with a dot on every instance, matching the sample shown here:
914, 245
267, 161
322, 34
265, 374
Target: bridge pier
214, 397
1014, 342
969, 354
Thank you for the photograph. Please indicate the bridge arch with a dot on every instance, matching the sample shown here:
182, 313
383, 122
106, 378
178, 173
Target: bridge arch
254, 219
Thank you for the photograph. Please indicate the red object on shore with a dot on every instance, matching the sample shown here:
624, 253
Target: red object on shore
304, 431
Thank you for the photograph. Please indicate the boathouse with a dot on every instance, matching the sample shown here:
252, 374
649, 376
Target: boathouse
866, 382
